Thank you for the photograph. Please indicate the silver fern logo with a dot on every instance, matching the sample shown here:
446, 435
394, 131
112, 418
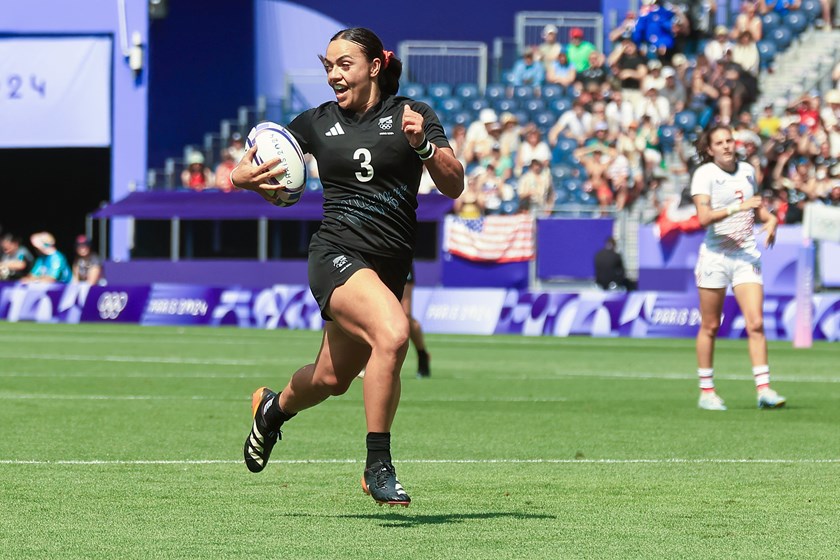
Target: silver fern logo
386, 123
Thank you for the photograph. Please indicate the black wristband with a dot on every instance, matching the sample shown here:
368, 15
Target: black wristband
425, 150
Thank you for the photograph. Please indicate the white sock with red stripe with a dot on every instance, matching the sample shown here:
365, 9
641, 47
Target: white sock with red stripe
707, 380
761, 375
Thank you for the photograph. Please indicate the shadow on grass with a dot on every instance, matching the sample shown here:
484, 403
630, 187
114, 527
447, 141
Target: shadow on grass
396, 518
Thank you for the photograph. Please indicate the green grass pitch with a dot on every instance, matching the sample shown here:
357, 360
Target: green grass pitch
126, 442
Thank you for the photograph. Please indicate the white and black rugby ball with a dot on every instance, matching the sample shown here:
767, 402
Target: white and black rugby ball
274, 141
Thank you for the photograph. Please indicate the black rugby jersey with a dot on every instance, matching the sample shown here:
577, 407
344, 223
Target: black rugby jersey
369, 172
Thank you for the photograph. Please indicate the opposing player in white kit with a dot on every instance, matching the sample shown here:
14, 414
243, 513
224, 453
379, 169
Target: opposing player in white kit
724, 192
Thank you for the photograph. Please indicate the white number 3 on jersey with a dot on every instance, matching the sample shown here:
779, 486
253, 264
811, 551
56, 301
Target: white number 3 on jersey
366, 174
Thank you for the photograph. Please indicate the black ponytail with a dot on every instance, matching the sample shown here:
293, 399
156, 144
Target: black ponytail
391, 66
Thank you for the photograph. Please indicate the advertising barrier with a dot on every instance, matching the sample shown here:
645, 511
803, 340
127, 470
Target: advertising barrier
441, 310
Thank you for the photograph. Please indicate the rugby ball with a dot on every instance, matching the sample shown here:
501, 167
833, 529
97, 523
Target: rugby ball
273, 141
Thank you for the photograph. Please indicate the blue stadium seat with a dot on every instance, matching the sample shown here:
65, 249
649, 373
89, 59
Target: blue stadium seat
796, 21
439, 90
466, 91
560, 172
562, 197
503, 104
522, 117
563, 150
462, 117
766, 53
413, 90
573, 186
811, 9
560, 105
686, 120
544, 120
552, 91
477, 104
770, 22
449, 104
534, 105
523, 92
509, 207
586, 198
427, 100
667, 138
782, 37
494, 91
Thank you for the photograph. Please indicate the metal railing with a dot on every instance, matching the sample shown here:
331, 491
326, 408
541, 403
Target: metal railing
450, 62
529, 27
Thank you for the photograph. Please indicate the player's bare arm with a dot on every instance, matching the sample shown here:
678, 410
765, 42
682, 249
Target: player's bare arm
770, 224
445, 169
708, 216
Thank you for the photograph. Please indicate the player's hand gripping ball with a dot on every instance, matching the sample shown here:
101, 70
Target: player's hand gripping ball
274, 141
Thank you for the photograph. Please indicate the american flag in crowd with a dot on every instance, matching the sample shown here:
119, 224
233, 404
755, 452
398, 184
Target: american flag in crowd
491, 238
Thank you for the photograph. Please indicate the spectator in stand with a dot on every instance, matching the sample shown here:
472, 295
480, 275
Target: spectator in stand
673, 90
647, 143
458, 142
745, 53
470, 205
619, 112
654, 77
596, 159
510, 138
502, 164
578, 49
561, 72
830, 116
237, 147
834, 195
527, 71
653, 106
769, 123
575, 123
782, 7
87, 267
825, 157
808, 108
681, 66
716, 48
629, 67
223, 171
624, 30
835, 72
536, 190
701, 17
702, 98
548, 50
534, 147
654, 31
196, 176
748, 20
596, 75
478, 132
820, 183
15, 259
50, 265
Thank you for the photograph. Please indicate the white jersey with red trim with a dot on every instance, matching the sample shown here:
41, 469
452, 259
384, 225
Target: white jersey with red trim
735, 233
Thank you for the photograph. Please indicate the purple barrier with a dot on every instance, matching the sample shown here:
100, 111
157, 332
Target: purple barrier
457, 272
566, 248
240, 205
487, 311
669, 267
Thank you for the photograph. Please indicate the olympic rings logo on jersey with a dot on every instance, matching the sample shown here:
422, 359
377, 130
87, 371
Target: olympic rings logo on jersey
111, 304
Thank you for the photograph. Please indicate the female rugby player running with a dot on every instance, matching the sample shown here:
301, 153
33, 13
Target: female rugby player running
371, 147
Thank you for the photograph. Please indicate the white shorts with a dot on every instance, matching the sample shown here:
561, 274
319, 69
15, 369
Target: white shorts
719, 270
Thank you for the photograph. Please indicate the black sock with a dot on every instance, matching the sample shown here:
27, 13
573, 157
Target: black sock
423, 362
274, 415
378, 448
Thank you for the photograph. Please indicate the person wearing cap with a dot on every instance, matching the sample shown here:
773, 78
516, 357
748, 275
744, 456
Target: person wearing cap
510, 138
654, 106
550, 47
87, 266
717, 47
478, 132
15, 259
237, 147
50, 265
745, 53
578, 49
534, 147
673, 90
196, 176
654, 77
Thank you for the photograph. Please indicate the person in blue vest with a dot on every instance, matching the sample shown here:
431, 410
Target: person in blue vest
50, 265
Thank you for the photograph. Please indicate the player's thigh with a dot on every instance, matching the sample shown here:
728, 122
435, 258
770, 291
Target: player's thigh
711, 305
366, 309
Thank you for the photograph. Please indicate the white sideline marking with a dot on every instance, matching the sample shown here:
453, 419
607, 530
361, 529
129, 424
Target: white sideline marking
674, 461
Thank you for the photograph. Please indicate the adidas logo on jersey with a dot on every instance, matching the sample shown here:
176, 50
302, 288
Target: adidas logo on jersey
335, 130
